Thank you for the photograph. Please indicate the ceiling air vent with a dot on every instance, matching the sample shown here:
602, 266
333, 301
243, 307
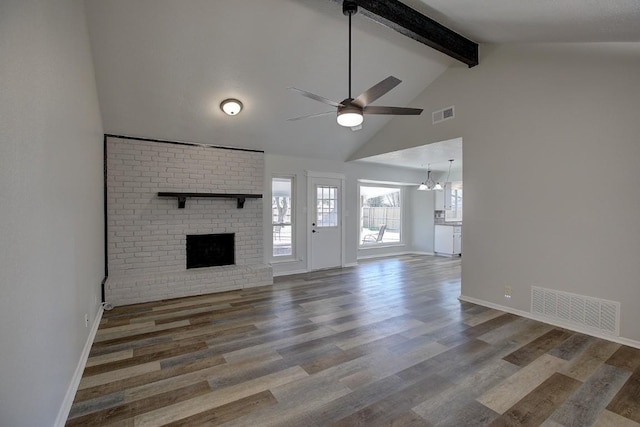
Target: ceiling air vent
444, 114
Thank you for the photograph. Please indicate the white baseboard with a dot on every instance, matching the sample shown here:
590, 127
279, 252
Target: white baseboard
63, 413
447, 255
302, 271
290, 273
571, 327
354, 264
395, 254
384, 255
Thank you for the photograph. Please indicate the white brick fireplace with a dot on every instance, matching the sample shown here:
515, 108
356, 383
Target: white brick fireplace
146, 234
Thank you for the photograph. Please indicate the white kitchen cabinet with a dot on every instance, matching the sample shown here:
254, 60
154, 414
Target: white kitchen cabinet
448, 240
454, 214
439, 205
447, 196
457, 241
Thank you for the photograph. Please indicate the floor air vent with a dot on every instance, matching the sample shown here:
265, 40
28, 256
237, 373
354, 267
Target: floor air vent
444, 114
591, 313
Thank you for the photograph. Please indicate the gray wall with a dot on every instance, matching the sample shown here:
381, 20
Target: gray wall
353, 171
51, 245
551, 154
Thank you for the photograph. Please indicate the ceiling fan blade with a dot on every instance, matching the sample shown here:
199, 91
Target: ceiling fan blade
376, 91
397, 111
311, 115
316, 97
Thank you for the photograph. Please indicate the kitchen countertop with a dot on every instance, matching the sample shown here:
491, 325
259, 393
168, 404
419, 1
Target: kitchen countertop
451, 224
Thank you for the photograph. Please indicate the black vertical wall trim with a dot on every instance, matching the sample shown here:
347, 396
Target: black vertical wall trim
104, 170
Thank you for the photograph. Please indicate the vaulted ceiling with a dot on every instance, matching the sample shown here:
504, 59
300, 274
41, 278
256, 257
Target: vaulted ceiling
164, 66
541, 21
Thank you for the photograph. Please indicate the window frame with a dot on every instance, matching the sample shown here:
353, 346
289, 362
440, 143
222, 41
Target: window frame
336, 206
292, 223
372, 245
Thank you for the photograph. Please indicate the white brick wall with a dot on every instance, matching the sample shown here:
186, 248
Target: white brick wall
147, 234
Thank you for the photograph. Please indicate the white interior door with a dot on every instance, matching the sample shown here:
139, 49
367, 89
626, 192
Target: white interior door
325, 222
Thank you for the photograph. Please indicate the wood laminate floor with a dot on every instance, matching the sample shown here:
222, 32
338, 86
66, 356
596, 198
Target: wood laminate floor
384, 343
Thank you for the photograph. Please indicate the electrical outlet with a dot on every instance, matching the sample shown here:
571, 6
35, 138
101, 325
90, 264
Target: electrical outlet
86, 320
507, 292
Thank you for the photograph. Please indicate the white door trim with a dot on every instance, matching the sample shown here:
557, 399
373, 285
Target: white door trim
310, 209
333, 175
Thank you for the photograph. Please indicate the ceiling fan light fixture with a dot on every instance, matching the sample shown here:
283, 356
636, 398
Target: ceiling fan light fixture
231, 106
351, 115
350, 118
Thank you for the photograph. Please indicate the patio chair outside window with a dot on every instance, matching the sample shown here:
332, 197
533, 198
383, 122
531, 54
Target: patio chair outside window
375, 237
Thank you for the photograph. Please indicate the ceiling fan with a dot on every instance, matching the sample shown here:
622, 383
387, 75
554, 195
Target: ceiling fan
350, 111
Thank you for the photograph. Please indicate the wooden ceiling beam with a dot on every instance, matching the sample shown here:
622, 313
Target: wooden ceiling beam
413, 24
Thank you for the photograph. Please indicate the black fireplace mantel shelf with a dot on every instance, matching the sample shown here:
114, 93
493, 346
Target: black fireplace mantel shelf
182, 197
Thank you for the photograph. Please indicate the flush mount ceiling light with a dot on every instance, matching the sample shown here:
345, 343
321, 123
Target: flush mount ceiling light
231, 106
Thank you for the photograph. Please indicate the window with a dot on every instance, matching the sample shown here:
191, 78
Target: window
453, 204
282, 219
327, 206
380, 215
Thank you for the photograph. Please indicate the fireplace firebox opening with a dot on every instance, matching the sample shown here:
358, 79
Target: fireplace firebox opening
210, 250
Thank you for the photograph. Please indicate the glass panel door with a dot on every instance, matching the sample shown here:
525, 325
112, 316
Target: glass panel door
326, 206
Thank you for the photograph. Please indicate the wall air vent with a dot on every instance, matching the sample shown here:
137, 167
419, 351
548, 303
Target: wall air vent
444, 114
591, 313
